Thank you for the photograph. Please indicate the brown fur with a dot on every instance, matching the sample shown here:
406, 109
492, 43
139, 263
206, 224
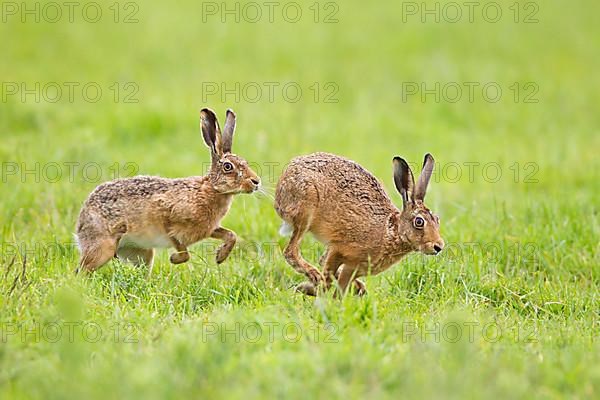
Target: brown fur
346, 208
128, 218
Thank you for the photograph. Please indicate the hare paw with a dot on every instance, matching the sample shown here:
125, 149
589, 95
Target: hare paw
179, 257
307, 288
360, 289
223, 253
315, 276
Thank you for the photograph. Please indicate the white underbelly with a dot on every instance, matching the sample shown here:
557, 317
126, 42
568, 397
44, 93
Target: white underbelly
146, 241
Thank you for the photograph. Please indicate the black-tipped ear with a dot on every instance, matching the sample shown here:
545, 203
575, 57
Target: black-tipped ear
228, 131
404, 180
210, 130
421, 188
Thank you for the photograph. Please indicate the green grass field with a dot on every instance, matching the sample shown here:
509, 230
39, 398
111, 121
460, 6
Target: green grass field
511, 309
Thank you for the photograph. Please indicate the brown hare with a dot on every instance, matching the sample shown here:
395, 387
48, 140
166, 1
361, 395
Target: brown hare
128, 218
346, 208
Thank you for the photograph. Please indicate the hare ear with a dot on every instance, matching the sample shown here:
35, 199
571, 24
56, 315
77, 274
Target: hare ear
210, 131
228, 131
421, 188
404, 180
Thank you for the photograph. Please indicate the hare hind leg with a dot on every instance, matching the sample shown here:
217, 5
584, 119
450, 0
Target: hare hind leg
330, 261
294, 258
310, 289
344, 276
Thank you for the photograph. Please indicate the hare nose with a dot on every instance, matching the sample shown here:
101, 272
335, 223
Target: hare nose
256, 181
437, 248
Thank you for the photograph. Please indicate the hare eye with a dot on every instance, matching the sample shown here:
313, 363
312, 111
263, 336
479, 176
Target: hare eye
419, 222
227, 166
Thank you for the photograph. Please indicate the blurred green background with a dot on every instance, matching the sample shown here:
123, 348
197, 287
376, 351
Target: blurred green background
517, 188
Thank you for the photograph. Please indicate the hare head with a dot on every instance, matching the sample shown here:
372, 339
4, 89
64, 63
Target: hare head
229, 173
418, 225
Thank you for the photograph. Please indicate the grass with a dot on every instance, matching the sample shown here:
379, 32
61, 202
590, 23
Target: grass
511, 309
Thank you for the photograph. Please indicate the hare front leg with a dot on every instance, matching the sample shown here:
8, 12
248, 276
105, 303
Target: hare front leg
136, 256
361, 288
182, 254
331, 264
229, 239
347, 275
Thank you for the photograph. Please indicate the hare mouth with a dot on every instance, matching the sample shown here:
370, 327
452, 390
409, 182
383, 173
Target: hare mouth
237, 191
428, 250
243, 189
252, 189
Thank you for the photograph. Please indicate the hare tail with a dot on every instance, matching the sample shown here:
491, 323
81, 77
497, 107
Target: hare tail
285, 229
